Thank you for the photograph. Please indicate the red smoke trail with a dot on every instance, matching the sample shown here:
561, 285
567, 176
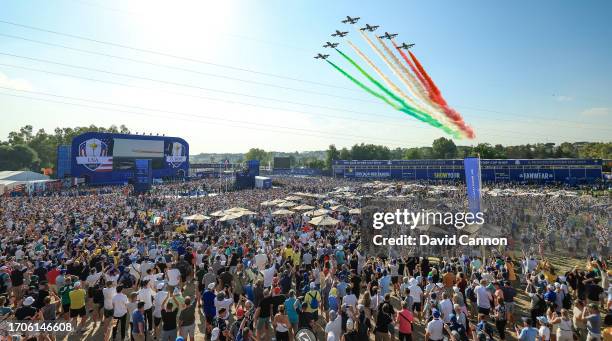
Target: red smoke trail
434, 93
414, 69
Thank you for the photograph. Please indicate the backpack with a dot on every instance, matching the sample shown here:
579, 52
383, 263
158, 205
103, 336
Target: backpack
314, 302
567, 301
540, 306
469, 292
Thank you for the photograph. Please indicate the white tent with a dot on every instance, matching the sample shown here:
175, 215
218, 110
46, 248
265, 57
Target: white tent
9, 180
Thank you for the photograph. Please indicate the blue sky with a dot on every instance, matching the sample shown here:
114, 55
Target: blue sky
520, 71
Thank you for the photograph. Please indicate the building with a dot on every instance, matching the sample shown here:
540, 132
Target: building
23, 181
569, 171
107, 158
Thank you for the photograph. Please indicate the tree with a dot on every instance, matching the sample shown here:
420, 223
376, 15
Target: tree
413, 154
19, 157
257, 154
316, 163
345, 154
444, 148
486, 151
331, 155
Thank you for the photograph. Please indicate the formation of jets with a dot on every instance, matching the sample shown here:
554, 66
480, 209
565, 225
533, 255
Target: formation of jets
405, 46
339, 34
350, 20
388, 35
332, 45
369, 28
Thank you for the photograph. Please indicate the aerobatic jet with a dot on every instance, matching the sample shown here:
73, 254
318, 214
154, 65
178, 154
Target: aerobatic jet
388, 35
332, 45
350, 20
369, 28
321, 56
405, 46
339, 34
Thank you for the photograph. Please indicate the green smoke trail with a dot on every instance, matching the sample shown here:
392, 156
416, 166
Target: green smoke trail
364, 87
421, 116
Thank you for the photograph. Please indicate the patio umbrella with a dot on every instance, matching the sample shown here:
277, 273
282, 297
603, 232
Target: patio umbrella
220, 213
230, 216
324, 221
286, 204
197, 217
355, 211
282, 212
293, 198
340, 208
303, 208
236, 209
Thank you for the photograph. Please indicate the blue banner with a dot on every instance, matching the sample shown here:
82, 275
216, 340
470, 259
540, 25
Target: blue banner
473, 183
143, 174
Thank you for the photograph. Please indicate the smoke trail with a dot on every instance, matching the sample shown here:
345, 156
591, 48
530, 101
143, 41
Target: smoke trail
425, 115
384, 58
452, 114
404, 108
410, 82
363, 86
382, 75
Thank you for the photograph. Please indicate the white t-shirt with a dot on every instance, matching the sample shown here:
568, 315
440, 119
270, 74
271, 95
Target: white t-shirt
350, 300
261, 260
160, 296
483, 297
446, 308
120, 302
435, 328
174, 276
146, 295
544, 333
335, 327
93, 279
226, 303
268, 276
109, 293
415, 293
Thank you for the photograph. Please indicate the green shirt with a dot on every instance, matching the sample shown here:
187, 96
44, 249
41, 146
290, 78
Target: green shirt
65, 294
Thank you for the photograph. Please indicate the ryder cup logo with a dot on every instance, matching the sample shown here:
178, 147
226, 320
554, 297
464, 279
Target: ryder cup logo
176, 155
93, 154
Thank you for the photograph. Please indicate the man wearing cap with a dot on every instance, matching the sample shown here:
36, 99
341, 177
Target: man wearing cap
77, 305
26, 311
435, 328
208, 305
313, 301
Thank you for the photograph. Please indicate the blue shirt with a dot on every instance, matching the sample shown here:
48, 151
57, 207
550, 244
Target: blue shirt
384, 284
137, 317
208, 302
290, 310
528, 334
550, 296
